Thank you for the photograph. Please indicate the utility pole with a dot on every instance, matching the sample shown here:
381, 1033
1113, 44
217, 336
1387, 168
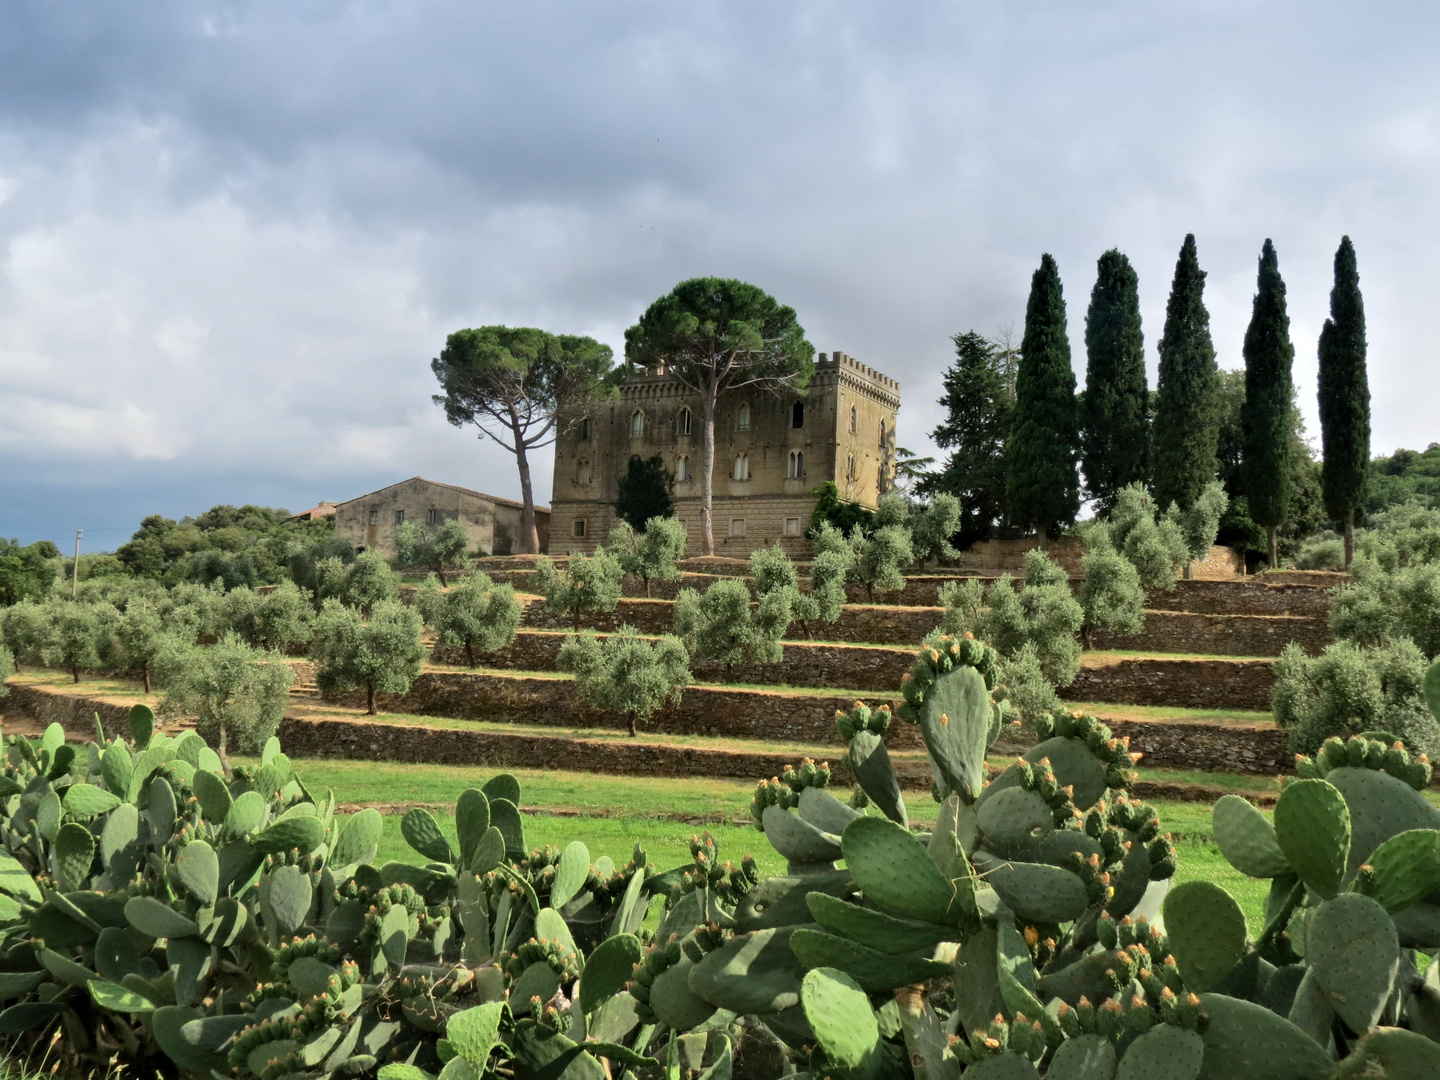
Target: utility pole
75, 568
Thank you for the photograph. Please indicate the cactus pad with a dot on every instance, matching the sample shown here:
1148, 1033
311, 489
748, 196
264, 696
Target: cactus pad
472, 818
214, 796
1393, 1053
781, 901
1380, 807
198, 868
798, 840
955, 724
876, 971
752, 973
607, 970
1084, 1057
1163, 1053
87, 801
1312, 826
875, 929
1207, 932
1243, 1039
1034, 891
74, 852
869, 761
422, 832
570, 874
1247, 839
1404, 869
358, 839
302, 833
895, 872
156, 919
843, 1021
827, 813
1351, 945
1013, 821
1076, 766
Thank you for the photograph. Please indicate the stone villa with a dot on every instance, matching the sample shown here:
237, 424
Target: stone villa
771, 452
492, 523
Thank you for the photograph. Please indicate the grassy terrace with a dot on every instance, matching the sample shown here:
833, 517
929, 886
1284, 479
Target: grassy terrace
1101, 657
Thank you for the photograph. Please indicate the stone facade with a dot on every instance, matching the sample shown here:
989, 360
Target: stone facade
491, 523
772, 450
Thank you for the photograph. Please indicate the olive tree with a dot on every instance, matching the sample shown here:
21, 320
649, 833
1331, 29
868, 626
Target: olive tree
22, 629
723, 626
273, 619
435, 549
588, 583
1110, 594
73, 634
474, 613
772, 571
381, 654
235, 692
932, 527
652, 555
625, 673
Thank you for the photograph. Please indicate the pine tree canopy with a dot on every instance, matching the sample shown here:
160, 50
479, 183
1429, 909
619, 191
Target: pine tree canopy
1265, 418
1115, 432
1041, 482
977, 405
1187, 415
1344, 392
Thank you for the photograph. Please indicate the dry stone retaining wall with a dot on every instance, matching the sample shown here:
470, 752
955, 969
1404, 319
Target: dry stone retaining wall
1223, 635
1188, 684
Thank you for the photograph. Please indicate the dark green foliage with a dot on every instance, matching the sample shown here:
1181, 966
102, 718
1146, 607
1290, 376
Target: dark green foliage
1041, 484
27, 572
652, 554
378, 654
717, 335
977, 403
516, 384
275, 619
1115, 420
844, 516
1187, 414
1269, 395
1344, 397
1404, 476
645, 492
723, 626
246, 545
474, 612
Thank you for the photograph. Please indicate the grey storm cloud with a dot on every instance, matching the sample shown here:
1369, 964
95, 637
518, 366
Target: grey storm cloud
234, 235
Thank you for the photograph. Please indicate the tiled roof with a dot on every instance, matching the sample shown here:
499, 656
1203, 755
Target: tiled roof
496, 499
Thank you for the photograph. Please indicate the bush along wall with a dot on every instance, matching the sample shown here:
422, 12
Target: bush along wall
161, 916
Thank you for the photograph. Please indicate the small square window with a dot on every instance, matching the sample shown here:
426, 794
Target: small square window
580, 527
792, 526
374, 516
399, 517
737, 526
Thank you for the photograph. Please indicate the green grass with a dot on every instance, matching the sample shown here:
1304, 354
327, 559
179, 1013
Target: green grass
1171, 713
1141, 654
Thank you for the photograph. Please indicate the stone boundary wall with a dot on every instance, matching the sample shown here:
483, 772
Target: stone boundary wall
864, 669
1252, 596
1323, 579
1204, 747
875, 624
1219, 635
1189, 684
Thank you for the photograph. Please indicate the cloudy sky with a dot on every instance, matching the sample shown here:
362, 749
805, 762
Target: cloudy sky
233, 236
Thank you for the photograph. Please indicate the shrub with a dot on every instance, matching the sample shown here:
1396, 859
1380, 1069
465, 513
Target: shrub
932, 528
140, 636
651, 555
1110, 594
1027, 688
1325, 552
772, 572
723, 626
625, 673
436, 549
1350, 689
198, 612
1201, 522
588, 583
1156, 548
233, 690
474, 612
381, 654
7, 667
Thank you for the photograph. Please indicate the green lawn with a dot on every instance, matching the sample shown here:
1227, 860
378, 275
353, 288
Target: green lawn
1170, 713
590, 809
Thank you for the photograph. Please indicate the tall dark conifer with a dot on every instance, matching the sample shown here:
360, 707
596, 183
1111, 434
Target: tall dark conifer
1265, 418
977, 404
1344, 398
1041, 482
1114, 410
1187, 413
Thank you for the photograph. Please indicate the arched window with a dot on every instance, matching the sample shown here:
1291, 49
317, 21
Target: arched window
637, 424
582, 471
797, 415
682, 468
742, 467
854, 419
882, 432
795, 465
682, 424
742, 418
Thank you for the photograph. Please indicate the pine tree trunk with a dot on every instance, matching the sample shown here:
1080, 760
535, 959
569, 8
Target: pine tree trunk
529, 534
1270, 532
370, 699
1349, 539
707, 472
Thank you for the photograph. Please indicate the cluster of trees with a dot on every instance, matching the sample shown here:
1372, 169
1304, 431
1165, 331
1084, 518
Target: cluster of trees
1017, 450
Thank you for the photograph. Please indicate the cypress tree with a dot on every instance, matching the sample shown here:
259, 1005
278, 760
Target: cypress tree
1041, 482
1265, 417
977, 404
1187, 414
1115, 432
1344, 398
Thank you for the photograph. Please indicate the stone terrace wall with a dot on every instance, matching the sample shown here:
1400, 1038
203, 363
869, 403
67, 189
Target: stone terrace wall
1252, 596
72, 712
1190, 684
1219, 635
863, 669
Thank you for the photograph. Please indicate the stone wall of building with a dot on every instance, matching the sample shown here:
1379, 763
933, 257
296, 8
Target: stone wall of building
492, 524
1188, 684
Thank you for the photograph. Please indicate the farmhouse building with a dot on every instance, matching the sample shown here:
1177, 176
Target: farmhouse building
772, 451
491, 523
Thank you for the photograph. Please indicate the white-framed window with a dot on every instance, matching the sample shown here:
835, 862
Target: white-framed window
797, 415
742, 467
682, 422
795, 465
637, 424
742, 418
854, 420
399, 517
579, 527
582, 471
682, 468
737, 526
792, 526
374, 518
